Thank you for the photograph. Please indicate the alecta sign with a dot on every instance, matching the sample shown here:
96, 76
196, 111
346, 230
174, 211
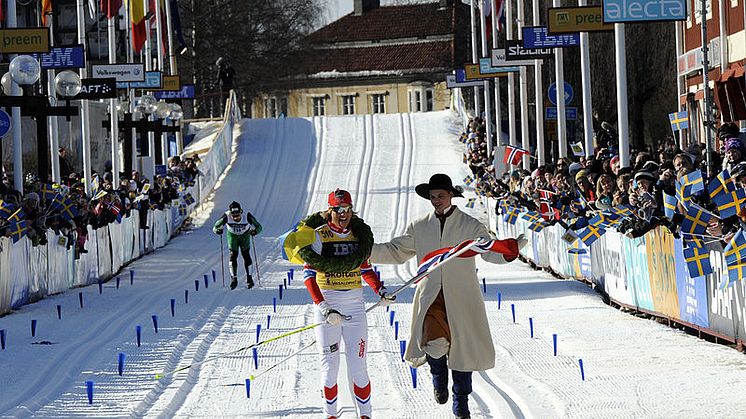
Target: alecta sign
618, 11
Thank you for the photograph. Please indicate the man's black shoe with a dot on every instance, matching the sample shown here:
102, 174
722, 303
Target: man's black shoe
249, 282
441, 397
234, 282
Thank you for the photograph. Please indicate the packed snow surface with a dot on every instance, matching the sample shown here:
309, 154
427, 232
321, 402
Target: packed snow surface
283, 169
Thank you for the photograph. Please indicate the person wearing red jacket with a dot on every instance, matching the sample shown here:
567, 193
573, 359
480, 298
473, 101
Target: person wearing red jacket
335, 263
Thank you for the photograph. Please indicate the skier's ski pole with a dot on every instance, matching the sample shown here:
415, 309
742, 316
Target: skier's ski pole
222, 261
397, 291
254, 345
256, 261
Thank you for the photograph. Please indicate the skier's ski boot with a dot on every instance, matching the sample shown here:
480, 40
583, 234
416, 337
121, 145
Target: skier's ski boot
234, 282
249, 282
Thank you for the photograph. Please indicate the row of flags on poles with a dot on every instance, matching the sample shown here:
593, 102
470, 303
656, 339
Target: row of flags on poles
137, 15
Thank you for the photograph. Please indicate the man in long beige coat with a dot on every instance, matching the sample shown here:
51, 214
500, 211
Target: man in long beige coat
449, 321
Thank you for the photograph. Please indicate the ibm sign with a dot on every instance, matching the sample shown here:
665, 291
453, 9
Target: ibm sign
619, 11
59, 58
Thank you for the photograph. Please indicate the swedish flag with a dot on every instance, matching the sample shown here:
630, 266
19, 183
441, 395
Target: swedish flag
295, 239
735, 251
6, 209
47, 192
683, 193
679, 120
696, 220
18, 229
698, 261
470, 202
511, 216
536, 226
722, 183
468, 180
590, 234
693, 179
188, 199
669, 205
735, 273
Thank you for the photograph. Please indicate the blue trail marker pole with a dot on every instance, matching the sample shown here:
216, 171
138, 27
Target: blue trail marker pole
285, 283
132, 277
59, 312
33, 328
80, 299
582, 370
186, 296
269, 316
413, 371
531, 326
274, 304
396, 330
2, 339
138, 332
89, 391
214, 278
173, 307
484, 285
120, 363
118, 279
392, 313
256, 358
499, 300
155, 322
207, 283
402, 348
258, 330
196, 284
248, 388
100, 287
512, 310
280, 291
554, 341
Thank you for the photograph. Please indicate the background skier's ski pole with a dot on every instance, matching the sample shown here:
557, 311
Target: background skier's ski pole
256, 261
222, 261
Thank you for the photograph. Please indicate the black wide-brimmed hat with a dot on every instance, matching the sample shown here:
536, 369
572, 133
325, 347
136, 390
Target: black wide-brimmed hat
437, 181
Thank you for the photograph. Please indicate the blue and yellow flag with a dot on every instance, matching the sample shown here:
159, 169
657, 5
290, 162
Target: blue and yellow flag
696, 220
6, 209
735, 251
735, 273
295, 239
698, 261
18, 229
693, 179
470, 202
590, 234
468, 180
679, 120
669, 205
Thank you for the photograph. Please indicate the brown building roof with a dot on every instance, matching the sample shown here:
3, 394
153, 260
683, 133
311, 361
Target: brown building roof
390, 22
388, 41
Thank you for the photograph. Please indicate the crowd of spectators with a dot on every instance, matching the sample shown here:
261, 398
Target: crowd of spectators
570, 191
67, 210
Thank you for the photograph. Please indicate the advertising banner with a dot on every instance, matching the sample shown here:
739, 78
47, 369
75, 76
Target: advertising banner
620, 11
153, 80
662, 268
186, 92
499, 59
692, 291
24, 40
614, 267
539, 37
485, 67
451, 82
636, 266
473, 73
577, 19
516, 52
98, 89
121, 72
59, 58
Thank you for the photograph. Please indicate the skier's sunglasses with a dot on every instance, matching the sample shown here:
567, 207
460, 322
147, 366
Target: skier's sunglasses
342, 210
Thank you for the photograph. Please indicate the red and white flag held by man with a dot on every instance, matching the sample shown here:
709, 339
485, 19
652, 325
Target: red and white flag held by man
514, 154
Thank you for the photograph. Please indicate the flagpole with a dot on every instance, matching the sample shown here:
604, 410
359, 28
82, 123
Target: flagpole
585, 64
511, 76
161, 67
620, 51
525, 140
15, 90
114, 126
559, 74
131, 91
54, 142
486, 83
539, 96
173, 66
149, 67
84, 111
498, 105
474, 57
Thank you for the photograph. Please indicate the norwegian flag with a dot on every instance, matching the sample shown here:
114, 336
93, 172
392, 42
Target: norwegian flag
514, 154
508, 248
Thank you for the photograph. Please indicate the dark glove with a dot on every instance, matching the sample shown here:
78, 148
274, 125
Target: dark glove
386, 299
219, 231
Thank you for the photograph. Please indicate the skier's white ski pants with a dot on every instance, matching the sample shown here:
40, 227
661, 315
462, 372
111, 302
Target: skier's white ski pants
355, 335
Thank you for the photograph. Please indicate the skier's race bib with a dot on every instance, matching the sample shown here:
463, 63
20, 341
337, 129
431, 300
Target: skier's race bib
333, 245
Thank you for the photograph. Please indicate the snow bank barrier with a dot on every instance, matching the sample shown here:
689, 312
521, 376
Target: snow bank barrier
29, 273
647, 274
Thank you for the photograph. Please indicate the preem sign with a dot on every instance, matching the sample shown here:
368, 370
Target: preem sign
24, 40
577, 19
619, 11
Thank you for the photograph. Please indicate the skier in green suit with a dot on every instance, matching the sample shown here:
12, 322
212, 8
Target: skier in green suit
240, 230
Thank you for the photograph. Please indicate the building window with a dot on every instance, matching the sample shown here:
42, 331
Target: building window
348, 105
319, 106
429, 100
379, 103
284, 106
